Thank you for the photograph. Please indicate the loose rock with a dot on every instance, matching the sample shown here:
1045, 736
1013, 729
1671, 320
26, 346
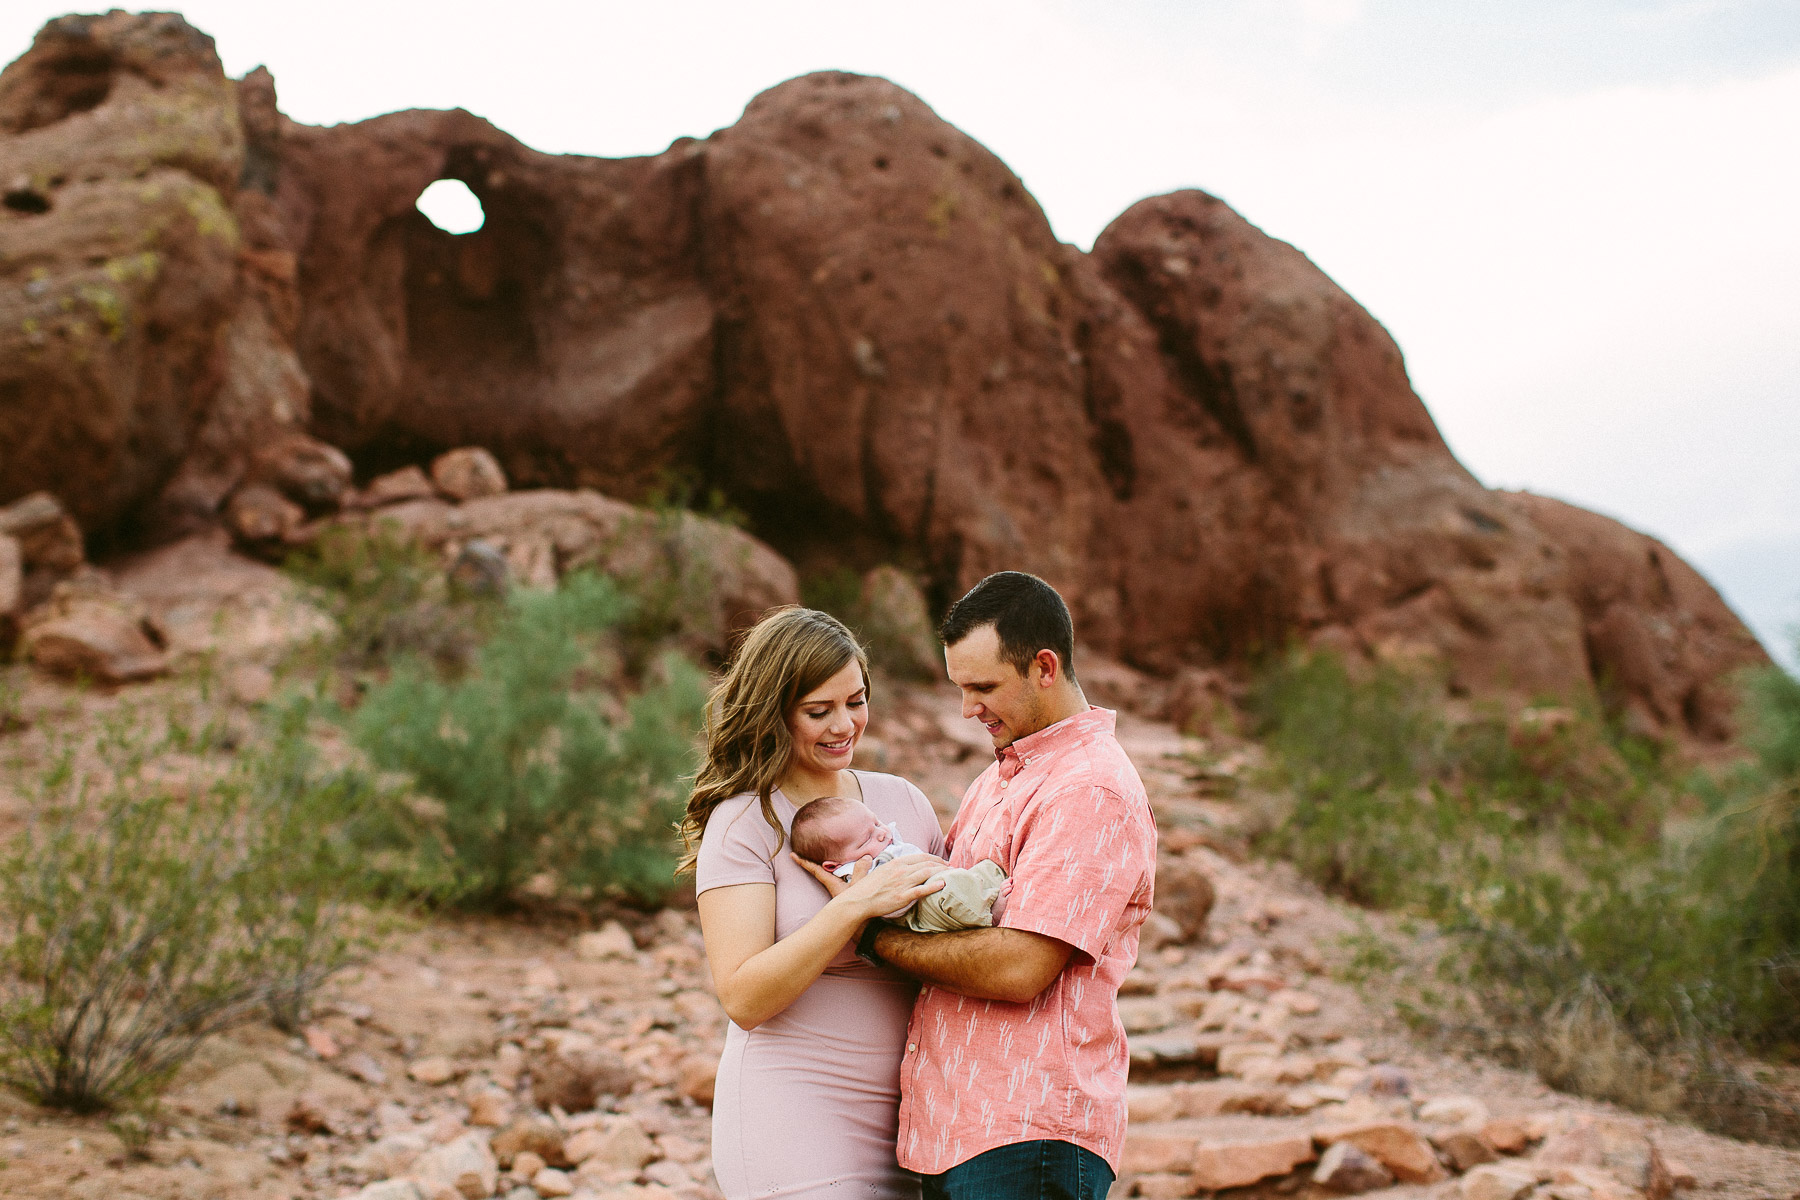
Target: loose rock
468, 474
1497, 1183
465, 1164
1400, 1148
1345, 1167
88, 630
1238, 1163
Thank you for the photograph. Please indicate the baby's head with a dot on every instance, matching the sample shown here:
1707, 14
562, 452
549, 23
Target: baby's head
834, 830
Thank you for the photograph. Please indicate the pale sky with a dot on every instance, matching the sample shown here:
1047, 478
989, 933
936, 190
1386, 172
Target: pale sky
1575, 216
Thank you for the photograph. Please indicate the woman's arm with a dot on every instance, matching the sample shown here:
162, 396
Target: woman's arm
755, 976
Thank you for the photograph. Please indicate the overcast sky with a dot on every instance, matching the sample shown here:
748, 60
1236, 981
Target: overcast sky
1575, 216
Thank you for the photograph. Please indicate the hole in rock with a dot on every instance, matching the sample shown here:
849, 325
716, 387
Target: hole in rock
25, 200
452, 207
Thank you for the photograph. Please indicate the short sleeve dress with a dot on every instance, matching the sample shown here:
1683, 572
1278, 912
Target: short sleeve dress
807, 1103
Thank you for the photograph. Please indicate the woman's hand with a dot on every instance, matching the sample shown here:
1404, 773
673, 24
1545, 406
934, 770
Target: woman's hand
882, 890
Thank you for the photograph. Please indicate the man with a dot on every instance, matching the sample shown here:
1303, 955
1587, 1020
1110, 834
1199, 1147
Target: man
1013, 1082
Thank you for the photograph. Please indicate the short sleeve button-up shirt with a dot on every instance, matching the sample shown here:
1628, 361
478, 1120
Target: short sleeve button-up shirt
1064, 812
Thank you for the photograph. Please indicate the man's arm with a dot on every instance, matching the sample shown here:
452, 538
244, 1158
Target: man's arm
1013, 965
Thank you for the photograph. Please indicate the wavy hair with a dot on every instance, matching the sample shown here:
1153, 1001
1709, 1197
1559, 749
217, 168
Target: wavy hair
788, 653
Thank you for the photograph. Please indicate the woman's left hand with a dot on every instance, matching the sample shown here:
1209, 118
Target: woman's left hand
837, 887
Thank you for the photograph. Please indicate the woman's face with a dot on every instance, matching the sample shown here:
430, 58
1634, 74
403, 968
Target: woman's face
828, 722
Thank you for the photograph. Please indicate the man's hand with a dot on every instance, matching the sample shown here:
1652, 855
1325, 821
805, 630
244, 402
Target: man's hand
1013, 965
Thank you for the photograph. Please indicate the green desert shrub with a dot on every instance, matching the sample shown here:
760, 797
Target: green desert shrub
1623, 930
530, 763
154, 899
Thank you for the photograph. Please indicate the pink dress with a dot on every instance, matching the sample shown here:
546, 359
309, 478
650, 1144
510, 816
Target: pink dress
807, 1103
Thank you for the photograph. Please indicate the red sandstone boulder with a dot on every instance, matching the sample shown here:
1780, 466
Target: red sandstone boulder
119, 141
87, 630
841, 311
467, 474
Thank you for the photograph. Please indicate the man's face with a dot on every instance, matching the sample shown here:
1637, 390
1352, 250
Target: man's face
1008, 705
855, 833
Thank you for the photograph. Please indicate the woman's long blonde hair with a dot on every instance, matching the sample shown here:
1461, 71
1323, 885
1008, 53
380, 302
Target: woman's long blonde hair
790, 652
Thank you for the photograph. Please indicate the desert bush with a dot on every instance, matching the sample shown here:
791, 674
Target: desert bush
531, 764
390, 599
151, 903
1602, 928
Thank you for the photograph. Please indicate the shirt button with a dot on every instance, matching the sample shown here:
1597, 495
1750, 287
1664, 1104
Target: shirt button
1003, 783
910, 1047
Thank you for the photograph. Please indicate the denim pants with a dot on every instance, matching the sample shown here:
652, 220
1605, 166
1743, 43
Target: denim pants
1024, 1171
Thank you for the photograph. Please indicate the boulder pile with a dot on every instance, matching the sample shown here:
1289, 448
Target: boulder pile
842, 313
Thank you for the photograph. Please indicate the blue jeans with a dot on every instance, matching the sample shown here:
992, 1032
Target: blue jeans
1027, 1171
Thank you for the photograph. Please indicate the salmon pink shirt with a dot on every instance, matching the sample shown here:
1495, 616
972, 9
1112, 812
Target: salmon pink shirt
1063, 810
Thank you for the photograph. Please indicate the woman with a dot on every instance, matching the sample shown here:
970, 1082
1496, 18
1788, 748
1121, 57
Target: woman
807, 1101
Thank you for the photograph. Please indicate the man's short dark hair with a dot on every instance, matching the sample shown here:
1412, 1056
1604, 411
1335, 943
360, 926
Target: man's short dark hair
1027, 616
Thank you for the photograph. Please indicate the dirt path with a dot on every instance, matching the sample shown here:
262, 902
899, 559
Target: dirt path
440, 1059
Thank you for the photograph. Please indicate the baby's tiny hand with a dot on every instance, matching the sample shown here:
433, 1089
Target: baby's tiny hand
1000, 901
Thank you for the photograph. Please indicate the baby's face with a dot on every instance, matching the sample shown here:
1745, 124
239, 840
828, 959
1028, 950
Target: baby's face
854, 834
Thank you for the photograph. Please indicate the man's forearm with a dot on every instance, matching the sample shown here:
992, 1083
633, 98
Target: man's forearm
986, 964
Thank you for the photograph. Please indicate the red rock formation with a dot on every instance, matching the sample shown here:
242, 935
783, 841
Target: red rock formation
136, 331
841, 311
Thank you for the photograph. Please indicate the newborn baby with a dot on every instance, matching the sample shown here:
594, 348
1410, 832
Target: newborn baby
836, 831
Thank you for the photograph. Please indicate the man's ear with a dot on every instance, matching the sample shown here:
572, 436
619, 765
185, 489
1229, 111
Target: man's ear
1049, 667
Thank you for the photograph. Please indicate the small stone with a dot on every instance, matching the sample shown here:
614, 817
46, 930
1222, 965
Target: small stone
47, 536
622, 1143
320, 1042
1507, 1135
697, 1078
1252, 979
537, 1136
1240, 1163
1234, 1058
1147, 1102
262, 520
543, 979
1301, 1004
509, 1060
308, 1114
552, 1182
468, 473
397, 487
1453, 1110
1680, 1174
526, 1164
609, 941
1347, 1168
1164, 1186
391, 1154
360, 1064
1464, 1148
434, 1071
12, 582
669, 1174
1497, 1183
1220, 1008
1145, 1014
1384, 1080
1400, 1148
481, 569
465, 1164
490, 1108
391, 1189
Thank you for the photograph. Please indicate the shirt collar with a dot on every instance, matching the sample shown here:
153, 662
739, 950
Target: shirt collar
1066, 732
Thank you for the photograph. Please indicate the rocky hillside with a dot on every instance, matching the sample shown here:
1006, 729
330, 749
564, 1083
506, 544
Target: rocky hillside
841, 311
